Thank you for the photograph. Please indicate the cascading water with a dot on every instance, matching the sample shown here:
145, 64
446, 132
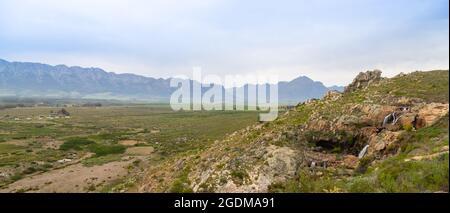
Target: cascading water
363, 152
388, 118
391, 118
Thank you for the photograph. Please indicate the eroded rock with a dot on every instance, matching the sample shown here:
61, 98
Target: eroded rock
430, 113
363, 80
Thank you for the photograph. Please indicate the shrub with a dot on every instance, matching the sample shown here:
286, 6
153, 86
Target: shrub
16, 177
364, 164
362, 185
30, 170
276, 187
75, 144
101, 150
180, 186
239, 176
415, 176
408, 127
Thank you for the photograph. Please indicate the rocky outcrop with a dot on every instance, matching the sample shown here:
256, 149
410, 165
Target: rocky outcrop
363, 80
279, 164
332, 95
377, 126
253, 172
430, 113
379, 142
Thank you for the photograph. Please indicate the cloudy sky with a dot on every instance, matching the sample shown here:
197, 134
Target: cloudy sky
327, 40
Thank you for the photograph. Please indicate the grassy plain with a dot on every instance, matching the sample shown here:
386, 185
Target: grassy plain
33, 143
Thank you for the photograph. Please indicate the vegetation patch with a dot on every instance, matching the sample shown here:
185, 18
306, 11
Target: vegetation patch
76, 143
101, 150
182, 183
239, 176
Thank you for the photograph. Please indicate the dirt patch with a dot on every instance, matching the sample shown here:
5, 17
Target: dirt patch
155, 131
73, 178
49, 143
143, 150
17, 142
128, 142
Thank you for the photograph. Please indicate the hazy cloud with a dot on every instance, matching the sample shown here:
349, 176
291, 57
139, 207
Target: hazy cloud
329, 40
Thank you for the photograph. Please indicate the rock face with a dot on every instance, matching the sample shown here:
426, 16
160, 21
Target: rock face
379, 142
374, 127
280, 163
430, 113
378, 126
363, 80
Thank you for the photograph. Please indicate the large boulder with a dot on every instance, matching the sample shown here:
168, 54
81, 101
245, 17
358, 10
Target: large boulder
351, 161
378, 143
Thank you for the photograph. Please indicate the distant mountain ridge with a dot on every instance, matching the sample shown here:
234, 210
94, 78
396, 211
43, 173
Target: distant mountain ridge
301, 89
34, 79
25, 79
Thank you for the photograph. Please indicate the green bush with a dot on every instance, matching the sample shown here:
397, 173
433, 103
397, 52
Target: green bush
362, 185
101, 150
414, 176
75, 144
179, 186
30, 170
364, 164
16, 177
239, 176
182, 183
408, 127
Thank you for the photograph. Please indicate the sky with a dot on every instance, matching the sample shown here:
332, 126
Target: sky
327, 40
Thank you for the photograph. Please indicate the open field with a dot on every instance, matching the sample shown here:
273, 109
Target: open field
96, 148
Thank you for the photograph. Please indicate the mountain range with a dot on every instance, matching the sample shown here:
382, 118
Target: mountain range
25, 79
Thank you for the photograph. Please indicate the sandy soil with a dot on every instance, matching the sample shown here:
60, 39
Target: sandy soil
73, 178
128, 142
142, 150
46, 142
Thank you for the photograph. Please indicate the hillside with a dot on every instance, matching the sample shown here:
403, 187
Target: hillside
380, 135
23, 79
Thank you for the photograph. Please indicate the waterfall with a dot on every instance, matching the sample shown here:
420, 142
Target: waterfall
388, 118
363, 152
396, 119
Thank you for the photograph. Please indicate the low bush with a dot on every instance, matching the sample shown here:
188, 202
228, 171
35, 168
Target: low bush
75, 144
101, 150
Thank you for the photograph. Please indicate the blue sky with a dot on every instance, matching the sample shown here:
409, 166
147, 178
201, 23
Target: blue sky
327, 40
